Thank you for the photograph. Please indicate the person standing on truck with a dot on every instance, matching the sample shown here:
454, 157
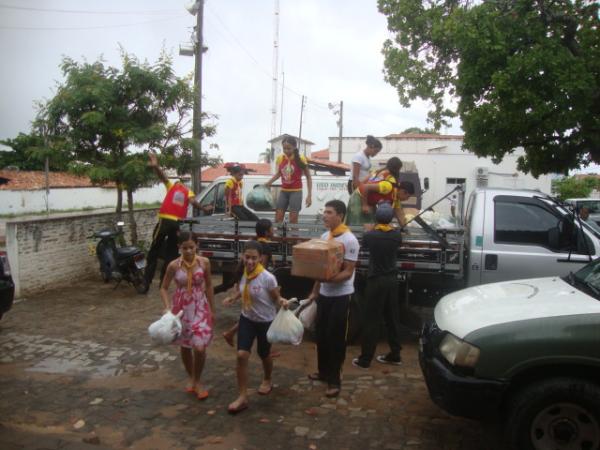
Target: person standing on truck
290, 166
333, 299
381, 293
173, 208
233, 192
361, 163
260, 297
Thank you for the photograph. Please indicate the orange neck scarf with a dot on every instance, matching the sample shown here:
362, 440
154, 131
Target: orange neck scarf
189, 268
384, 227
337, 231
246, 298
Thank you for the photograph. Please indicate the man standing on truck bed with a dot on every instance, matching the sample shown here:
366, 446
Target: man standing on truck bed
333, 298
381, 293
174, 207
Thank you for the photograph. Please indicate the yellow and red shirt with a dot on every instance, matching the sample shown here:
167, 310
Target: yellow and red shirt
291, 173
387, 192
234, 194
176, 202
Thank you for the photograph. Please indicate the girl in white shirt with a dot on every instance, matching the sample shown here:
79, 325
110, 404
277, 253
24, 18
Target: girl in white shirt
260, 297
361, 163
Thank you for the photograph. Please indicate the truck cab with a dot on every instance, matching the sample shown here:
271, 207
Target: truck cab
513, 234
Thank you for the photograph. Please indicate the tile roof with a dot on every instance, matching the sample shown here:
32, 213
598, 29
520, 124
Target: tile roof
212, 173
321, 154
25, 180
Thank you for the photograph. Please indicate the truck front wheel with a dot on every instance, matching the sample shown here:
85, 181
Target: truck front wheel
558, 413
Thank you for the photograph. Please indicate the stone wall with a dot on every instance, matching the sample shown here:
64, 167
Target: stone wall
47, 253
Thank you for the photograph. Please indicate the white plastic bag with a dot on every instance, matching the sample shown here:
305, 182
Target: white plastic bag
166, 329
285, 328
307, 313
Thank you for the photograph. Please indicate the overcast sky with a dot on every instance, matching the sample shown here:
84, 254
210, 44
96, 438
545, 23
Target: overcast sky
329, 50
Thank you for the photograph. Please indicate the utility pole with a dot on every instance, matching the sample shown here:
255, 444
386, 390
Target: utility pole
197, 124
300, 131
275, 70
338, 110
340, 123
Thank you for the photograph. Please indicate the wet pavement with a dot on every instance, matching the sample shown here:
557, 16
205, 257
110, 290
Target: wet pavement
78, 370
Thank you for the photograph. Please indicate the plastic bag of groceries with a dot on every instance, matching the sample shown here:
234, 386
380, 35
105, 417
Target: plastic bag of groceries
285, 328
307, 313
260, 199
166, 329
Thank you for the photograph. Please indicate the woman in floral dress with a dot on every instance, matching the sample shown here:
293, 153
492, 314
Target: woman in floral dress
194, 296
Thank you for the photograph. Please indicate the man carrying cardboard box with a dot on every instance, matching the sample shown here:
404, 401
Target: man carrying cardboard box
333, 298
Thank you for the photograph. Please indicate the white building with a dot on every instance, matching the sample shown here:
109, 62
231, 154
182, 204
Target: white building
441, 159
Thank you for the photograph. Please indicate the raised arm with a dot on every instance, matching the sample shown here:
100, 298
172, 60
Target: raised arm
153, 162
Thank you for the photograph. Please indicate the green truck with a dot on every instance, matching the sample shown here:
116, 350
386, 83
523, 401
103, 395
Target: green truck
525, 351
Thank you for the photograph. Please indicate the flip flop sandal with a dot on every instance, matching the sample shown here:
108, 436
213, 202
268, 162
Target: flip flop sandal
332, 392
190, 390
239, 409
315, 376
203, 395
267, 392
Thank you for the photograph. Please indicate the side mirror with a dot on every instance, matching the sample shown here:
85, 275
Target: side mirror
426, 183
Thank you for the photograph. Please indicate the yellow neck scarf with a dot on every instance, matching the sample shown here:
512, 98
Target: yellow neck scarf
383, 227
246, 298
262, 239
340, 229
190, 272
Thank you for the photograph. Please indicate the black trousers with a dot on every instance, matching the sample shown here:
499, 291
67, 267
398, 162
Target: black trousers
381, 299
165, 232
331, 328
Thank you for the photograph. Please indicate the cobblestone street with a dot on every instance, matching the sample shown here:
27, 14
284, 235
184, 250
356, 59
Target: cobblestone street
78, 370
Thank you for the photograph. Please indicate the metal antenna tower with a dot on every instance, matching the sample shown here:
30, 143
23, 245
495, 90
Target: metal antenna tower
275, 70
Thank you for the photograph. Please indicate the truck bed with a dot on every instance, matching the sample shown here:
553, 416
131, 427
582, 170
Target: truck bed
223, 240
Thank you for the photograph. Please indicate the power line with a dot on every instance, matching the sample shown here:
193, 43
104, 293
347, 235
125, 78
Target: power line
80, 11
124, 25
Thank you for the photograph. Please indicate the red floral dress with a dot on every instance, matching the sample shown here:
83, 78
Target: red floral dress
196, 321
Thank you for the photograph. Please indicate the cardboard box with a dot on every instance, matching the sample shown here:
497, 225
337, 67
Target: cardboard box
318, 259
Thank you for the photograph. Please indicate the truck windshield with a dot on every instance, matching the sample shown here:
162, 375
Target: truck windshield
588, 277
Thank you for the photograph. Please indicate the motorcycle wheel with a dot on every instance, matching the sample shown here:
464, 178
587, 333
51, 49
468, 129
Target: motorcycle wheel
139, 281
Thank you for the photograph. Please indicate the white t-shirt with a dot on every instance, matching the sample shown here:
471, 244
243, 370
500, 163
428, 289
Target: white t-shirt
365, 165
351, 247
263, 308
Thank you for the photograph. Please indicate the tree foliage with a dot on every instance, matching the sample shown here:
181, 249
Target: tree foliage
417, 130
573, 187
29, 152
522, 73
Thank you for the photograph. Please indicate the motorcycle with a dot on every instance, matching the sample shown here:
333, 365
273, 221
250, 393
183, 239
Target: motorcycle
120, 263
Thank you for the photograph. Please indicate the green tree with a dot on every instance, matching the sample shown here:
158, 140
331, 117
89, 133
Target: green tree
522, 73
265, 156
417, 130
573, 187
108, 118
29, 152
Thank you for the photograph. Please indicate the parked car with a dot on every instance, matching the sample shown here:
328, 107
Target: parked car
7, 287
527, 351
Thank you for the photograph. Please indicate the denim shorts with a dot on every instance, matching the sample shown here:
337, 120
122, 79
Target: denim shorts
249, 330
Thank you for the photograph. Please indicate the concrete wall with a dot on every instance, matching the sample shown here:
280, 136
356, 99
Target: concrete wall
52, 252
32, 201
442, 158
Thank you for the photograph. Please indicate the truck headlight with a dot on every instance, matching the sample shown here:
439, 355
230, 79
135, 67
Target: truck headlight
458, 352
